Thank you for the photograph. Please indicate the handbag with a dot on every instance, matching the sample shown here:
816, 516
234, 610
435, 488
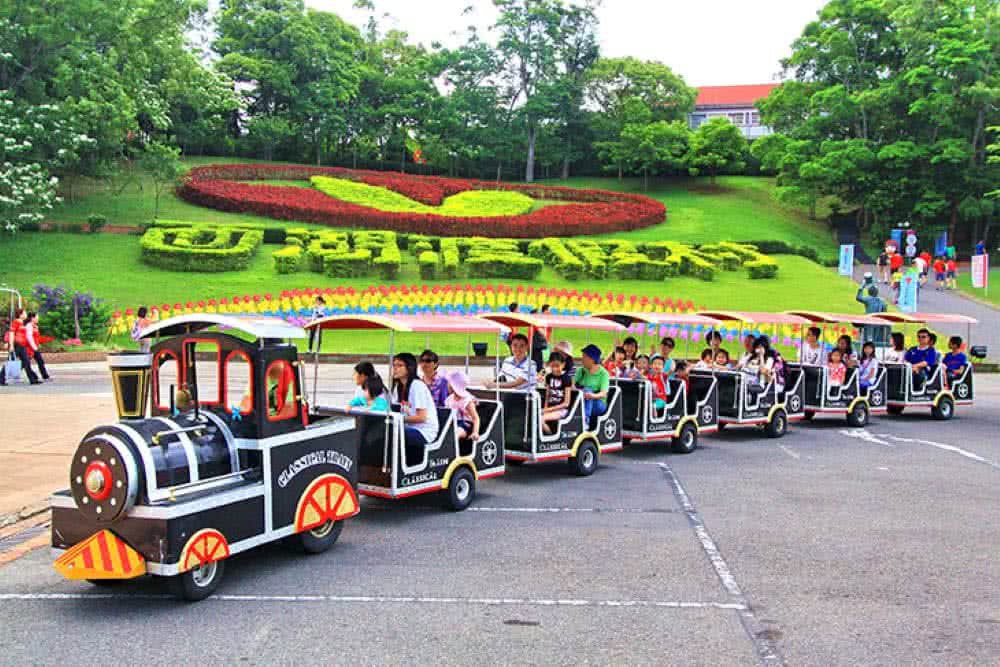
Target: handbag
12, 367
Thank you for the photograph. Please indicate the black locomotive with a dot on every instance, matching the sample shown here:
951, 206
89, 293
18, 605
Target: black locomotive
229, 458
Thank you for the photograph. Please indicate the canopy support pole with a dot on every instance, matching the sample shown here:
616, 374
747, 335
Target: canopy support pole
468, 348
317, 344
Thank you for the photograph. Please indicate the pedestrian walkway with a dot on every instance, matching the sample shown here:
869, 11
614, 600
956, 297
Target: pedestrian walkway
987, 332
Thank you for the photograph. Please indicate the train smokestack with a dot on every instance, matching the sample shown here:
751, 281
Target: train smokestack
130, 375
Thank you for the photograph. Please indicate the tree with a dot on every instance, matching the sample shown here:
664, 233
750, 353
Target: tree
889, 109
576, 53
717, 145
613, 83
528, 32
162, 165
654, 148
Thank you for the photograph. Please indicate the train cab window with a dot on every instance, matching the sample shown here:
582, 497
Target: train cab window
202, 368
168, 372
239, 383
281, 403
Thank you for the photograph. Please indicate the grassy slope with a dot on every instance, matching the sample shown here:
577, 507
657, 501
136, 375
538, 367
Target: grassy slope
965, 284
737, 208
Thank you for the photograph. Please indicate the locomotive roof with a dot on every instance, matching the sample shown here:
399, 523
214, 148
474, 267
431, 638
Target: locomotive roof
258, 327
409, 323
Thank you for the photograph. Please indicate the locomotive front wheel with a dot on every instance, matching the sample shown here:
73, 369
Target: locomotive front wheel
317, 540
858, 417
198, 582
586, 459
687, 441
461, 489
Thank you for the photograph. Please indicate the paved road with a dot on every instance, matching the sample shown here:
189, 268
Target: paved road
829, 546
987, 332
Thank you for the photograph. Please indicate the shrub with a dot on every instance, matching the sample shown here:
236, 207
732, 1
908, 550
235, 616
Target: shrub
553, 251
56, 313
506, 266
450, 256
96, 222
428, 264
764, 267
201, 249
354, 264
388, 262
289, 259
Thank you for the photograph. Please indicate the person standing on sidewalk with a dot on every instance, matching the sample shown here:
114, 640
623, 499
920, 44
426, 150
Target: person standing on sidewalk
883, 267
33, 338
19, 340
952, 273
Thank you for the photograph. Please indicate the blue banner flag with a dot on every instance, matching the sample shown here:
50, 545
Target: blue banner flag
941, 245
897, 236
846, 260
908, 289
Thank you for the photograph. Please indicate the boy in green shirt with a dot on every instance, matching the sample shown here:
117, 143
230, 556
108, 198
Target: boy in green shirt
593, 380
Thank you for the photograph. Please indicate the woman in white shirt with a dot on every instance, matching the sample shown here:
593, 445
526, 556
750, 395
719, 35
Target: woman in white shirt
897, 353
419, 413
812, 353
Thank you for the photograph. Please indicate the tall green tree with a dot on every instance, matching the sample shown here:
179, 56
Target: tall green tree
612, 83
889, 109
717, 145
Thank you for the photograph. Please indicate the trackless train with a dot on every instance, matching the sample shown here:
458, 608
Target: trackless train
218, 449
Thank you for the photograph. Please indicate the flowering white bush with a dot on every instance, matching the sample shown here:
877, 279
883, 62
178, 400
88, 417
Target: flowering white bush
33, 139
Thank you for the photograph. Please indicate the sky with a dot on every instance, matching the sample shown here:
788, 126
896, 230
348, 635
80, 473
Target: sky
708, 42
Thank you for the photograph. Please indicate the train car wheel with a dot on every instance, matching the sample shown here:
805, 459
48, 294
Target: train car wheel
586, 459
858, 416
318, 539
944, 410
198, 582
894, 409
461, 489
778, 425
687, 441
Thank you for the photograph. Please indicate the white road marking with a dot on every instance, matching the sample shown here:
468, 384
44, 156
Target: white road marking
862, 434
789, 451
400, 599
767, 652
539, 510
948, 448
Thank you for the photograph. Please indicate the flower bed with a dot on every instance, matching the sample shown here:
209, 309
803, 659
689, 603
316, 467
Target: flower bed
586, 211
469, 203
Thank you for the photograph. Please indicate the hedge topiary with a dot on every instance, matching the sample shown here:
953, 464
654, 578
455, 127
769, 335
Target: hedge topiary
428, 261
200, 249
289, 259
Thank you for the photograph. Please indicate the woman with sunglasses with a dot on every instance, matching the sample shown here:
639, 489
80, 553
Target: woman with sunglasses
436, 382
419, 414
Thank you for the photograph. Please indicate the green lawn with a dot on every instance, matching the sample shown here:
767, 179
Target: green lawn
109, 265
993, 295
736, 208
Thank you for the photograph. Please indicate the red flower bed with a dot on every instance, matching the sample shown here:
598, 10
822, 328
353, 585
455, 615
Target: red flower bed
218, 186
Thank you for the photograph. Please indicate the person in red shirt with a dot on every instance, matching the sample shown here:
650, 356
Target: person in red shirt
34, 339
17, 338
951, 273
939, 270
896, 261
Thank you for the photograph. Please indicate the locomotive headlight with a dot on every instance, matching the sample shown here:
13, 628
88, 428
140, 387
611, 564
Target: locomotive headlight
98, 480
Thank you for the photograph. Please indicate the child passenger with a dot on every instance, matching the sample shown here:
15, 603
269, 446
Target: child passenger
869, 366
661, 387
722, 361
558, 387
705, 363
836, 368
462, 402
372, 398
615, 363
955, 360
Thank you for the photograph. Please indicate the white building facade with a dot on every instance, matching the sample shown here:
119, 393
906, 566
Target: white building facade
735, 103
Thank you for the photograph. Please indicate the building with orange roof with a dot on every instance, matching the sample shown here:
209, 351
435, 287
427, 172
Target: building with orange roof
737, 103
